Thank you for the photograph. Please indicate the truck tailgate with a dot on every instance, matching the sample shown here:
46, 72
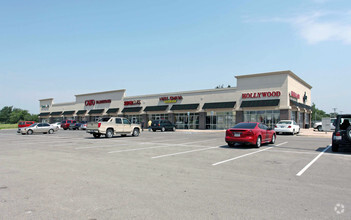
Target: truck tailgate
92, 125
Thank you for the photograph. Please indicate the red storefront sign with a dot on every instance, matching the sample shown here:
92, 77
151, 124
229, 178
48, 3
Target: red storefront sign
256, 95
294, 95
135, 102
92, 102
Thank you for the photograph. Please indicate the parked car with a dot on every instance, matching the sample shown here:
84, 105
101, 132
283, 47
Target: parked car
24, 124
76, 126
39, 128
83, 125
342, 134
318, 125
57, 124
65, 124
250, 133
113, 126
287, 126
162, 125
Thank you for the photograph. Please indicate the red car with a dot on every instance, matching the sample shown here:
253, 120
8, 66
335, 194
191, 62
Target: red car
250, 133
65, 124
24, 124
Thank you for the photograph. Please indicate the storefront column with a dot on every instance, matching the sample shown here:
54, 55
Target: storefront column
239, 116
144, 119
171, 117
202, 120
285, 114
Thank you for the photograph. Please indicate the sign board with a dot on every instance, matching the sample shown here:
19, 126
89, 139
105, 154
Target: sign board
326, 124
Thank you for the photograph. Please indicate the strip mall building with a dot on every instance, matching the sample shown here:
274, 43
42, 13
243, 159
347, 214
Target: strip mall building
265, 97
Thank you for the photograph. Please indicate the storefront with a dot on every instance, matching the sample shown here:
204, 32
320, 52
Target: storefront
264, 97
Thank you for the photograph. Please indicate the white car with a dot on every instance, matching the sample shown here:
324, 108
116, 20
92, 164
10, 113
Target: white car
287, 126
56, 125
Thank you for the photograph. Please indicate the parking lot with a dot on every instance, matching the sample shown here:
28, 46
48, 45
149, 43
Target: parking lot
171, 175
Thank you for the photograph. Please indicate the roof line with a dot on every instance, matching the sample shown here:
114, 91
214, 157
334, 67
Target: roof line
180, 93
94, 93
289, 72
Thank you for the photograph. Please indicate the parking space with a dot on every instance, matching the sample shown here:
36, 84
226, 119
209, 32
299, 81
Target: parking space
174, 175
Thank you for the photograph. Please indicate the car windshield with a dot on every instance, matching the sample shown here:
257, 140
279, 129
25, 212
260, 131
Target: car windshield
33, 125
246, 125
284, 122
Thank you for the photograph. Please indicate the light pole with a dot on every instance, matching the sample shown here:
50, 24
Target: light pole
334, 112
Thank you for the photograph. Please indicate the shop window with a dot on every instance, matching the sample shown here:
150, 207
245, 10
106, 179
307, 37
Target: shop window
268, 117
158, 116
220, 120
187, 121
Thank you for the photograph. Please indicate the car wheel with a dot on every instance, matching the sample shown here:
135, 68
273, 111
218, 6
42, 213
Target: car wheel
96, 135
65, 129
335, 147
258, 142
348, 133
136, 132
163, 129
51, 131
109, 133
154, 130
174, 129
29, 132
273, 139
319, 128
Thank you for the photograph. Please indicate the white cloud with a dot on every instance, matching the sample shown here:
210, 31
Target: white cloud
320, 27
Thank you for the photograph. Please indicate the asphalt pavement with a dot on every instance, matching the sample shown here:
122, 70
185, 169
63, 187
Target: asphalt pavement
171, 175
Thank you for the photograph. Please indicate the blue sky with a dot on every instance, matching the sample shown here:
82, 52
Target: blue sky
56, 49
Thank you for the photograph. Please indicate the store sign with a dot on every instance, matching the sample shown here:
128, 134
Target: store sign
92, 102
45, 106
257, 95
171, 99
135, 102
294, 95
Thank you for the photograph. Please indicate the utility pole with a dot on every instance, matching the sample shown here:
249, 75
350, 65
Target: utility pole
334, 112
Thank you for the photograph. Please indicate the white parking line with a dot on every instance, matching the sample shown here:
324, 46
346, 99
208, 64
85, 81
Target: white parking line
184, 152
215, 164
314, 160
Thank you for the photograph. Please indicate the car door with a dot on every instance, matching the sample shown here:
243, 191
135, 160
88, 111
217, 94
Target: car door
265, 132
38, 128
127, 127
46, 127
119, 125
169, 125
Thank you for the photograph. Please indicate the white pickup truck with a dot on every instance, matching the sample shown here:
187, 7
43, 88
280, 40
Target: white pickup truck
113, 126
318, 125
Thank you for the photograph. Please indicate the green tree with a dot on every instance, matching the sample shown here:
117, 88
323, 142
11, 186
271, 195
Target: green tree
5, 114
10, 115
318, 114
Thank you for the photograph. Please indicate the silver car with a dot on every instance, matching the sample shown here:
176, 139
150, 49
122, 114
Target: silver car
44, 128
